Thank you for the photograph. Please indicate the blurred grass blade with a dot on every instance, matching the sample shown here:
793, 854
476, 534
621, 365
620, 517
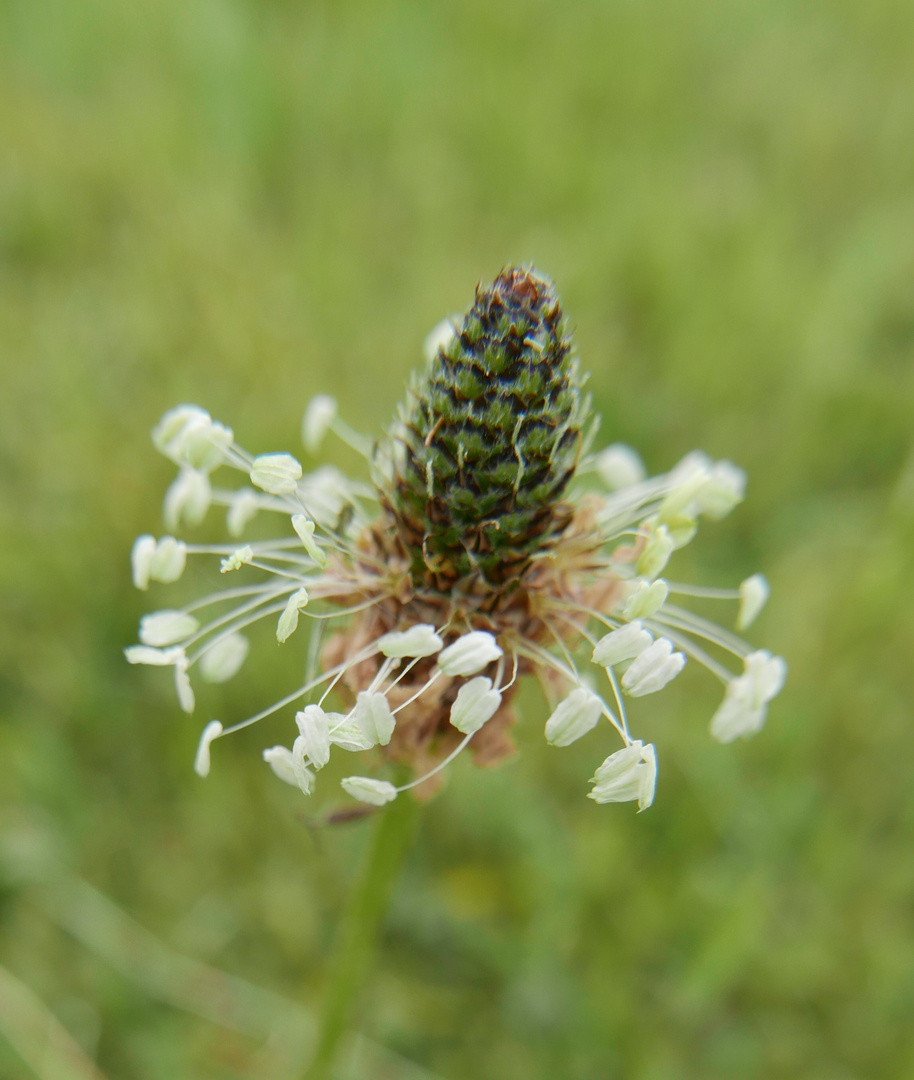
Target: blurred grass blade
39, 1038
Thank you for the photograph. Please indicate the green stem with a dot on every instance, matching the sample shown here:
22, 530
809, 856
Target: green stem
355, 946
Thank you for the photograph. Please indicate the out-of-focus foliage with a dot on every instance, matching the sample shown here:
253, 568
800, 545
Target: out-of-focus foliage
241, 204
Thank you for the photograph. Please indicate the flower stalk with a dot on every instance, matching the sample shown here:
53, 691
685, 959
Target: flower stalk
390, 841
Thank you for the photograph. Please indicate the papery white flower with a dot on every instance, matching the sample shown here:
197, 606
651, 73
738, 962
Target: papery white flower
753, 595
742, 712
304, 777
152, 560
166, 627
146, 654
439, 337
288, 620
367, 790
645, 600
315, 731
469, 654
189, 436
305, 532
626, 775
183, 688
573, 717
279, 758
245, 503
375, 720
319, 415
238, 558
201, 762
653, 669
656, 554
619, 466
419, 640
224, 657
277, 474
623, 644
476, 703
188, 499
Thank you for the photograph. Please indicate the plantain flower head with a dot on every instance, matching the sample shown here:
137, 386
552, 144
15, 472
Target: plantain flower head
486, 544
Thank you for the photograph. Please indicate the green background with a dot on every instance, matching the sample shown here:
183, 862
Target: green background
241, 204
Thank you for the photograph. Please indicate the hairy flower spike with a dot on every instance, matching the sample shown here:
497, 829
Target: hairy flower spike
490, 438
485, 552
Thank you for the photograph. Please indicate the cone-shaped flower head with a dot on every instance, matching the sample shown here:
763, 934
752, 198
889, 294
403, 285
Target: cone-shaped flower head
490, 438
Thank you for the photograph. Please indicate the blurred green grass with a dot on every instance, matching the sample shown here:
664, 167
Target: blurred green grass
242, 204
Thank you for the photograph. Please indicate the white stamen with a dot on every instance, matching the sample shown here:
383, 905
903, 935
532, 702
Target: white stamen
743, 710
753, 595
375, 720
623, 644
244, 504
183, 688
279, 758
319, 415
367, 790
188, 498
469, 654
314, 726
201, 762
653, 669
166, 627
476, 703
626, 775
619, 466
573, 717
304, 777
305, 530
288, 620
224, 657
418, 641
277, 474
237, 559
645, 600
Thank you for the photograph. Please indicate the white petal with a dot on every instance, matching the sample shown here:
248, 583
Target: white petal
166, 627
476, 703
363, 788
573, 717
319, 415
469, 654
224, 657
277, 474
417, 641
201, 762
